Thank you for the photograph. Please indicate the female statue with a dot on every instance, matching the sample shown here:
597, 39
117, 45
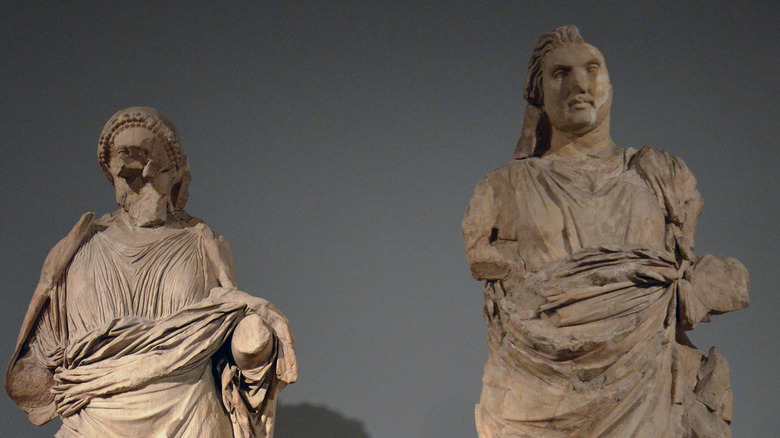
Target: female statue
137, 327
586, 251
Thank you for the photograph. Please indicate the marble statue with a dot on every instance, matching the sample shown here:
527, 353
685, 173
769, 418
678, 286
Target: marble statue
590, 280
137, 327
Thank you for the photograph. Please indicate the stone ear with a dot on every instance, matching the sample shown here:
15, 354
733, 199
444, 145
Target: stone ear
179, 193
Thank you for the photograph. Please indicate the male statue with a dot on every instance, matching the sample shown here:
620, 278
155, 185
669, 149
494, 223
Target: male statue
137, 327
586, 251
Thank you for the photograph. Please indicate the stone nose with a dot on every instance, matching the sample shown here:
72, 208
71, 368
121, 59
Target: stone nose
134, 162
151, 169
579, 81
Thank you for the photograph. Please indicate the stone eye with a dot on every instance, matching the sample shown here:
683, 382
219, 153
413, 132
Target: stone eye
560, 73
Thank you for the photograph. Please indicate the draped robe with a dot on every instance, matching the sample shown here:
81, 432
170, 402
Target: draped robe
128, 338
585, 296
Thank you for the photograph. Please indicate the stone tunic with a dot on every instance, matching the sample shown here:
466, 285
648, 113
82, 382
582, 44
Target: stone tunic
582, 267
133, 332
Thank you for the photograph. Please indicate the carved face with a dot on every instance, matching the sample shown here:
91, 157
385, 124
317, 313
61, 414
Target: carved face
139, 156
576, 89
143, 175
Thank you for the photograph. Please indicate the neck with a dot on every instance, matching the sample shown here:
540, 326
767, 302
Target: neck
147, 208
571, 145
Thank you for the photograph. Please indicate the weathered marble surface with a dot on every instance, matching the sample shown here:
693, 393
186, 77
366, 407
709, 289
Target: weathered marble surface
586, 252
137, 327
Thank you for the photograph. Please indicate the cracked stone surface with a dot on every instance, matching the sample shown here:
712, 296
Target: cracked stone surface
586, 251
137, 326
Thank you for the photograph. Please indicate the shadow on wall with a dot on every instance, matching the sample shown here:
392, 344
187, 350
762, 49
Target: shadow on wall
306, 420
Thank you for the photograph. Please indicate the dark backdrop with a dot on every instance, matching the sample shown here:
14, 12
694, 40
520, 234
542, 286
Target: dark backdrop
336, 144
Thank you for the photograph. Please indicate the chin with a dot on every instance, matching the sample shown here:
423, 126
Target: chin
578, 122
579, 127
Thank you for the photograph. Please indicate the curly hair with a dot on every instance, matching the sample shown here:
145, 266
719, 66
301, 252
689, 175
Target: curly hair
547, 43
162, 127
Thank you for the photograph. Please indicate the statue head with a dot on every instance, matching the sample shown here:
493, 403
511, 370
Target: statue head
140, 154
567, 88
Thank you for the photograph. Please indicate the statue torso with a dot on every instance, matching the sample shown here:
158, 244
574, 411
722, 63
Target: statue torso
552, 209
148, 273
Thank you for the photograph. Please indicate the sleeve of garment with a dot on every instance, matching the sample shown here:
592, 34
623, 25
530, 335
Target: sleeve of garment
32, 374
491, 248
219, 257
38, 351
249, 395
674, 186
711, 284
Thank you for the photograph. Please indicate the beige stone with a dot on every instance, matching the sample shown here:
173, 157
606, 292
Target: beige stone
713, 273
125, 332
251, 343
586, 253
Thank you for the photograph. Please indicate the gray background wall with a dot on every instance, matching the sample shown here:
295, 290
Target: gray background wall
336, 145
